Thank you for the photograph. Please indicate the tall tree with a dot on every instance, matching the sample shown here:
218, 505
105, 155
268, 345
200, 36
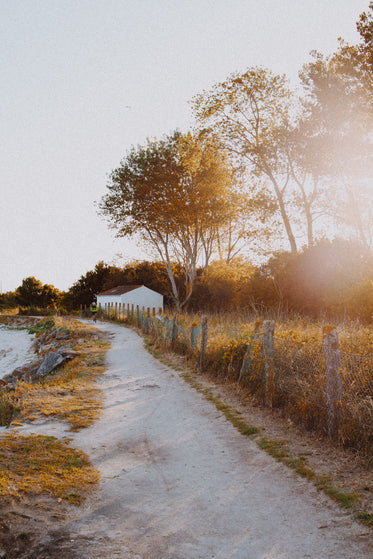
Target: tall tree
251, 114
337, 131
171, 193
339, 126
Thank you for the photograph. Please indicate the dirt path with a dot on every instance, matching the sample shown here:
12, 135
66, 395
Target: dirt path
179, 482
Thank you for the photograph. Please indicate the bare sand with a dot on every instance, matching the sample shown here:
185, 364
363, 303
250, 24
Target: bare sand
179, 482
14, 349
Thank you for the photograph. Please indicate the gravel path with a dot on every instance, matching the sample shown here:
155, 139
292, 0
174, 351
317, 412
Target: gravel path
179, 482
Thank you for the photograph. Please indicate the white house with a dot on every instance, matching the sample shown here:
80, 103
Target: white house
124, 296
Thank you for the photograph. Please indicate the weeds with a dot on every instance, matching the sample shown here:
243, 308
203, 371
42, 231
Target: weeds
42, 326
365, 518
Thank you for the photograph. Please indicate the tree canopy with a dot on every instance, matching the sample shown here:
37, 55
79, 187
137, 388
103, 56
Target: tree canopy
173, 194
32, 293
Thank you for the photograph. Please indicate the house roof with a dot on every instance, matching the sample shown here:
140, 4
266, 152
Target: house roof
119, 290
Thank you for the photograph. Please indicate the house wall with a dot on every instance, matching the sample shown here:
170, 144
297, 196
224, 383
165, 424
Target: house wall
107, 300
143, 297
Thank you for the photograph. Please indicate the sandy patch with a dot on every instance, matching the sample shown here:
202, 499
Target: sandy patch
15, 349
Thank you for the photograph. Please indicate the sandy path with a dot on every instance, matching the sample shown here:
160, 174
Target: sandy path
179, 482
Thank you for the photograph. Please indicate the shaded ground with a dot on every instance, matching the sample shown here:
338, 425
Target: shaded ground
178, 482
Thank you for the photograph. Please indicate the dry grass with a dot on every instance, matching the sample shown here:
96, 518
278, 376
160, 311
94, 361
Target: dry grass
70, 394
297, 382
39, 464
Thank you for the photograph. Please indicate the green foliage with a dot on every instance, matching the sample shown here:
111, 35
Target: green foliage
42, 326
332, 278
84, 291
174, 194
8, 300
336, 129
219, 286
104, 276
365, 518
250, 113
32, 293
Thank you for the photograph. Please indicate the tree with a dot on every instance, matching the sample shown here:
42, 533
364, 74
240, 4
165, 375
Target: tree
251, 114
362, 54
8, 300
328, 278
172, 194
32, 293
84, 290
337, 128
220, 286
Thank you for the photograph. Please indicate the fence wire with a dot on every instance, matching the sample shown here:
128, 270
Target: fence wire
297, 376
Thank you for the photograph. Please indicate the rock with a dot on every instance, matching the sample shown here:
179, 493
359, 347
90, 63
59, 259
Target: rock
68, 353
51, 349
52, 360
26, 372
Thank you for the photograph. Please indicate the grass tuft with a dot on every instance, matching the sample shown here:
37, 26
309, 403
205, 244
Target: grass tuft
365, 518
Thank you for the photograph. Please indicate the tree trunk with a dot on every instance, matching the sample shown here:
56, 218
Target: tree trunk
309, 219
284, 215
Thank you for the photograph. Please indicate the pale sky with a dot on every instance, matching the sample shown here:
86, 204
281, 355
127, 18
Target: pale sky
84, 80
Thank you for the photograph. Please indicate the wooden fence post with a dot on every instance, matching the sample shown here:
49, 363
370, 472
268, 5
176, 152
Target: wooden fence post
333, 378
202, 353
193, 335
175, 330
269, 357
250, 346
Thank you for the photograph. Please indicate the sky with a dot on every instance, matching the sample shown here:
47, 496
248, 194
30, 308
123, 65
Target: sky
82, 81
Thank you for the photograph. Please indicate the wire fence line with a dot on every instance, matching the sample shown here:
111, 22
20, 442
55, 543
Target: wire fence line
319, 386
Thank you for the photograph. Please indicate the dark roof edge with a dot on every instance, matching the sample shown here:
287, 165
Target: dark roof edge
120, 290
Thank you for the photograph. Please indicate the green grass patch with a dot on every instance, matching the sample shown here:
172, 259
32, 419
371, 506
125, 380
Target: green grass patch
346, 500
365, 518
42, 326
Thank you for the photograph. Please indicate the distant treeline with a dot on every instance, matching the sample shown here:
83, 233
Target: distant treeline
332, 279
